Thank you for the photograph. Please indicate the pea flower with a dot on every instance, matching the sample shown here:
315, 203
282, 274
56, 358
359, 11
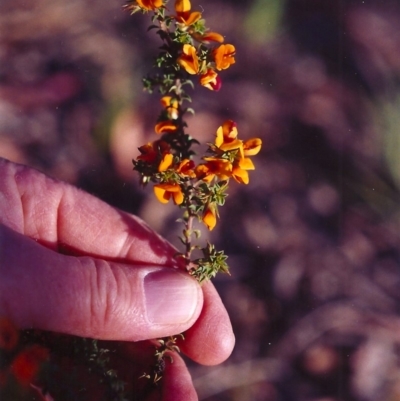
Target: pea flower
186, 168
208, 37
252, 146
166, 162
182, 6
209, 217
189, 60
226, 137
211, 80
227, 140
214, 166
164, 192
239, 170
165, 127
183, 14
150, 5
212, 37
171, 105
224, 56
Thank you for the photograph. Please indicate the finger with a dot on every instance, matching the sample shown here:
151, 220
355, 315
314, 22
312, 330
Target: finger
136, 360
90, 297
177, 382
210, 340
62, 217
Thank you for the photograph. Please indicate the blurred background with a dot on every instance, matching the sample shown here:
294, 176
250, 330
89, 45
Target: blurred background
313, 240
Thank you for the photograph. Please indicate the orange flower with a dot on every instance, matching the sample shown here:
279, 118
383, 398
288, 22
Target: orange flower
164, 192
214, 166
166, 162
211, 80
252, 146
208, 37
189, 60
150, 5
212, 37
186, 167
224, 56
226, 137
226, 140
27, 363
226, 132
8, 334
182, 6
209, 217
183, 14
171, 105
239, 171
165, 126
188, 18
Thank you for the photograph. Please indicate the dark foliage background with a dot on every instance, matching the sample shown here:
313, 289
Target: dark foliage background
313, 239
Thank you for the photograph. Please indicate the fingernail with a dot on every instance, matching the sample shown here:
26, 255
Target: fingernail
171, 297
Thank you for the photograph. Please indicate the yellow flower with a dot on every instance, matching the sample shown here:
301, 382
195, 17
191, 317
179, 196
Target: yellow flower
252, 146
182, 6
227, 140
212, 37
189, 60
208, 37
188, 18
239, 171
165, 126
209, 217
185, 167
226, 137
171, 105
150, 5
224, 56
214, 166
164, 192
183, 14
166, 162
226, 132
211, 80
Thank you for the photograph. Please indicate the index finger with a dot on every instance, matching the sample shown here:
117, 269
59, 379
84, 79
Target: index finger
63, 217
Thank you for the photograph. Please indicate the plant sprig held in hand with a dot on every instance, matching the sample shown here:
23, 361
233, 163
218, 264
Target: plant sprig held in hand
189, 49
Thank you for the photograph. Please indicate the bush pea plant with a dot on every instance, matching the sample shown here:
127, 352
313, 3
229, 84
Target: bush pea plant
190, 54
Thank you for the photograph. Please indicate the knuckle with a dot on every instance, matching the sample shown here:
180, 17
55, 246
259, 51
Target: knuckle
106, 296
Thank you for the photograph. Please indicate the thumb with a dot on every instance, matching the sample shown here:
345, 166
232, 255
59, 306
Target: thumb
84, 296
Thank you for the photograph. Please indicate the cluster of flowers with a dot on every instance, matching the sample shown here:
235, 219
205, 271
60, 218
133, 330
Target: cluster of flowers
180, 179
190, 28
198, 188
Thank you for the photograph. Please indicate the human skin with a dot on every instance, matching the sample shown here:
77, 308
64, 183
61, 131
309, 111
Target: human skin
70, 263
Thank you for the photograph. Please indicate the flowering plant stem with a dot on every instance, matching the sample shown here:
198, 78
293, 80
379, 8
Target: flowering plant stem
189, 49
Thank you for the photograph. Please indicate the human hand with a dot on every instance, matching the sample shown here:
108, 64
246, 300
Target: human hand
72, 264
